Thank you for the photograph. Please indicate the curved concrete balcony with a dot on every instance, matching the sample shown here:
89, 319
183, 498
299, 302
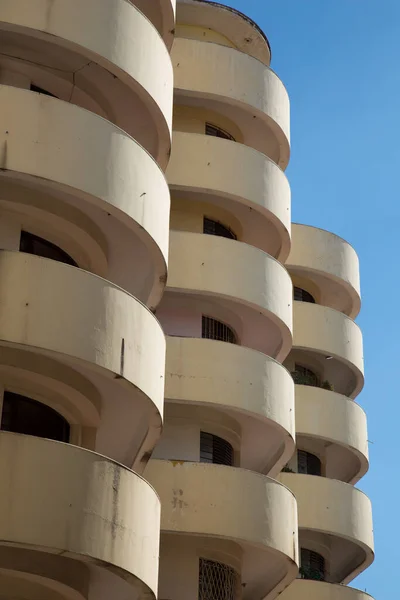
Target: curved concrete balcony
334, 427
84, 346
21, 587
162, 14
83, 184
253, 389
327, 267
330, 337
213, 501
334, 518
237, 29
239, 180
60, 503
105, 56
319, 590
243, 89
251, 290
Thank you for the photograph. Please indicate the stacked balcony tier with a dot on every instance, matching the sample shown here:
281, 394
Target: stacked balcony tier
214, 507
86, 91
72, 520
337, 517
217, 78
335, 522
227, 313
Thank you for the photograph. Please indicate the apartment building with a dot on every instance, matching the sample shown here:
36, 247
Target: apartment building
178, 362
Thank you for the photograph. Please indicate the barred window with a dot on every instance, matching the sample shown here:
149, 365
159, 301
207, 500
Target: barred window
312, 565
303, 376
211, 227
217, 581
216, 131
33, 244
214, 449
302, 296
27, 416
308, 464
215, 330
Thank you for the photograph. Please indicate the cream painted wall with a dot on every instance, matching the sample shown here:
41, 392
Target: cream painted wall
14, 78
134, 94
181, 315
236, 183
180, 439
10, 232
188, 215
327, 266
179, 563
243, 89
193, 119
180, 320
202, 34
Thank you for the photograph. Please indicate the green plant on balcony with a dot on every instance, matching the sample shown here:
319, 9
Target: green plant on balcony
287, 469
312, 380
304, 379
310, 573
327, 385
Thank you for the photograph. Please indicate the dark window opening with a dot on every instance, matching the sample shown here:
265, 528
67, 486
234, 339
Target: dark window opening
301, 295
211, 227
303, 376
215, 330
215, 450
27, 416
215, 131
39, 90
308, 464
33, 244
312, 565
217, 581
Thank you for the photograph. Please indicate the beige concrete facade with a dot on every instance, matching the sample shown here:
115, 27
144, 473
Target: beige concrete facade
178, 362
86, 92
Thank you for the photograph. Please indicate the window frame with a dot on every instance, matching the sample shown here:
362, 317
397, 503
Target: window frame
315, 567
218, 451
12, 403
218, 132
216, 569
312, 463
226, 329
305, 296
27, 238
230, 235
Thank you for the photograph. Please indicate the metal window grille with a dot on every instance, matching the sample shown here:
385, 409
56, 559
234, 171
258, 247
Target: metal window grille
217, 581
39, 90
215, 330
312, 565
33, 244
218, 132
302, 296
303, 376
215, 450
211, 227
308, 464
27, 416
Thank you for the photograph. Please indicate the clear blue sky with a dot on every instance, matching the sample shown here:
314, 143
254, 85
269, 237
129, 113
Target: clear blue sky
339, 60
